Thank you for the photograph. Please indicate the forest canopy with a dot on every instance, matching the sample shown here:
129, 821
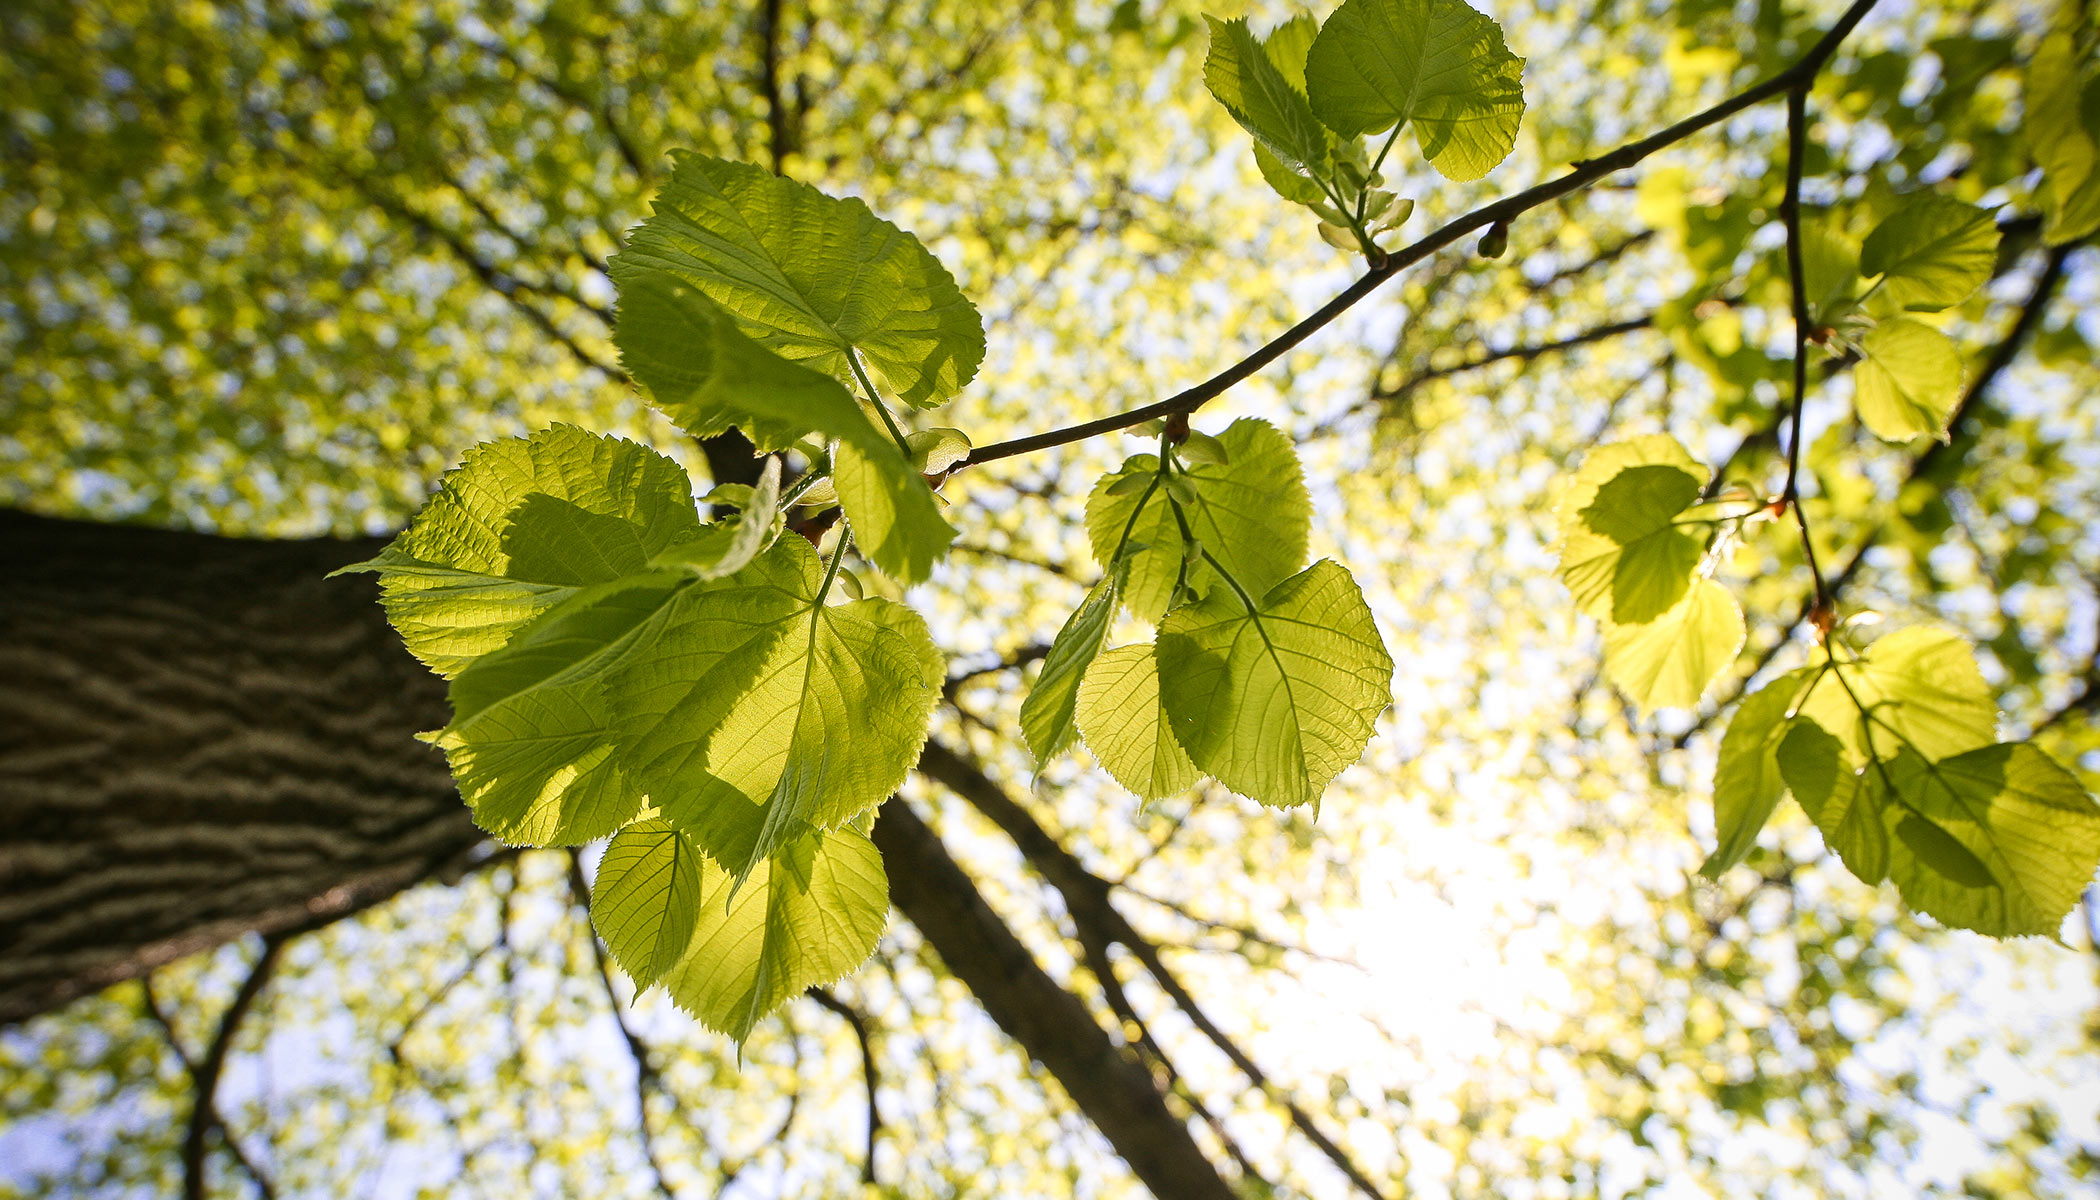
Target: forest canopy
1388, 599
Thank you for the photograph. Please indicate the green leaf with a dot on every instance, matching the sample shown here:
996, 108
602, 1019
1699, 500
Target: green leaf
531, 741
1275, 702
811, 277
1922, 686
896, 520
1845, 805
1241, 74
1669, 661
764, 712
1046, 716
1126, 727
935, 450
1909, 379
1625, 553
1829, 271
646, 899
1288, 44
708, 376
732, 548
1999, 839
805, 916
521, 525
1252, 512
2061, 131
1437, 63
1747, 781
1932, 253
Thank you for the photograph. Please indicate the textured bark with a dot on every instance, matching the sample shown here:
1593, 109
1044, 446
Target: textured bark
199, 738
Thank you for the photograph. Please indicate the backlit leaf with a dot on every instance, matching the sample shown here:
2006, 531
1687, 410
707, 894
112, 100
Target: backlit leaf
1627, 553
1932, 252
1669, 661
1124, 724
1276, 702
1909, 379
646, 899
1436, 63
1046, 715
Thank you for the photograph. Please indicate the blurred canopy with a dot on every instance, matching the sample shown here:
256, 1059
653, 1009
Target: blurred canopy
268, 269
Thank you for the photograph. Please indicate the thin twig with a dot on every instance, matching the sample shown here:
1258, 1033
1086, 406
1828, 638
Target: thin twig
204, 1079
853, 1018
1790, 213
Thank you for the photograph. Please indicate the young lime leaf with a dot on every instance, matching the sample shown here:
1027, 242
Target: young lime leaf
736, 544
531, 742
1829, 270
2000, 839
1276, 702
1669, 661
708, 375
1846, 805
1922, 686
1436, 63
2061, 126
1046, 716
1241, 74
1932, 252
896, 521
1287, 46
775, 712
1202, 450
477, 563
804, 917
646, 899
810, 276
935, 450
1747, 782
1908, 380
1625, 552
1252, 511
1125, 726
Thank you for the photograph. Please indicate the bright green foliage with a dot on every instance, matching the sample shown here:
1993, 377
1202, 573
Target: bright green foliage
1266, 102
1931, 253
896, 520
1747, 781
1892, 752
1274, 698
1829, 272
1669, 661
1908, 379
478, 563
2000, 839
801, 919
763, 709
646, 899
2062, 131
1923, 688
1628, 552
707, 375
1046, 716
1250, 512
531, 742
1126, 727
1436, 63
812, 277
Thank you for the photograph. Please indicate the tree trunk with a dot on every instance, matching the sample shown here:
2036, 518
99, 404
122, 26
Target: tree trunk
200, 737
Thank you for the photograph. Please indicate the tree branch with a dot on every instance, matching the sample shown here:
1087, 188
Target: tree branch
1052, 1025
853, 1018
1087, 899
1504, 210
204, 1080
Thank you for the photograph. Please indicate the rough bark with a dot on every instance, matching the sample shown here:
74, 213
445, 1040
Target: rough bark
201, 738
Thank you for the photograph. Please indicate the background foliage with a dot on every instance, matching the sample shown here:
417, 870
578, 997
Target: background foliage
271, 269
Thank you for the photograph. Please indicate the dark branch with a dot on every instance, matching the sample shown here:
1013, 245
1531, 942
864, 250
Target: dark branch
204, 1080
868, 1072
